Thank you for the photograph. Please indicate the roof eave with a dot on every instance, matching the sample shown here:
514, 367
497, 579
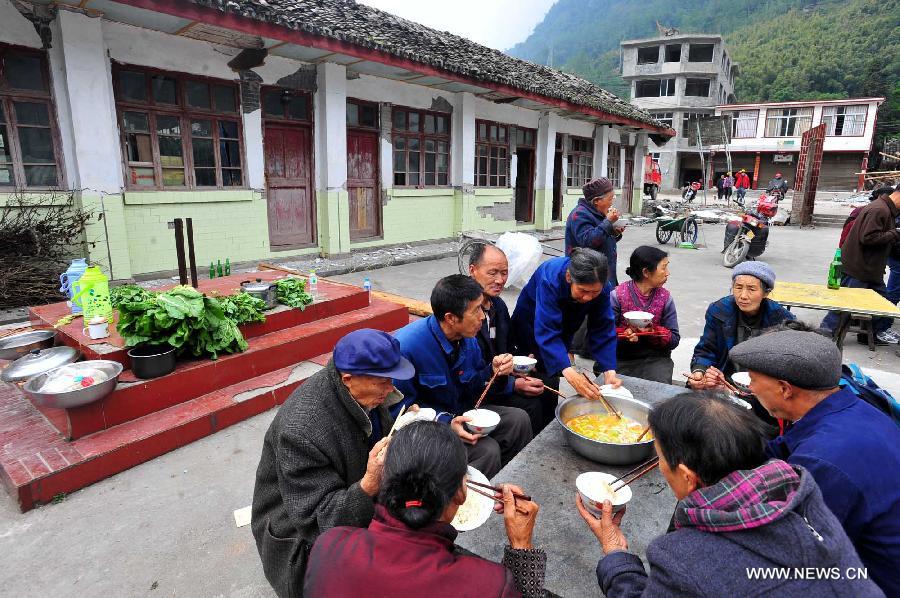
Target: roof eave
195, 12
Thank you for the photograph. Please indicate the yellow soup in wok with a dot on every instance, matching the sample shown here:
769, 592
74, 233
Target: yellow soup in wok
608, 428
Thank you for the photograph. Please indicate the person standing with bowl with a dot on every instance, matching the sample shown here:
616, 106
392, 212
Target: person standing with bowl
648, 357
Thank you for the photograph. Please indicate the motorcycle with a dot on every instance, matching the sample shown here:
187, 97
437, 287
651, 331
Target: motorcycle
748, 238
690, 191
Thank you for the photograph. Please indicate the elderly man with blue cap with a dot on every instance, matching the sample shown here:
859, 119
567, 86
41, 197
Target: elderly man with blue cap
322, 455
731, 320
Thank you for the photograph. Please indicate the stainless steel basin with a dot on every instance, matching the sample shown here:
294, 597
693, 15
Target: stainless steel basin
605, 452
75, 398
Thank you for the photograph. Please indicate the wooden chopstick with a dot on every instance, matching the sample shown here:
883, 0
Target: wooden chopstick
637, 476
394, 426
602, 398
486, 389
644, 433
725, 382
554, 391
638, 468
496, 489
494, 498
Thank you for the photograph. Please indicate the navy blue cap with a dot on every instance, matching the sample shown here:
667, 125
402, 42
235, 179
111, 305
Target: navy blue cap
369, 352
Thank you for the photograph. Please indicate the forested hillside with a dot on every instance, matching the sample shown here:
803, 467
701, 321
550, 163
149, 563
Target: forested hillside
787, 49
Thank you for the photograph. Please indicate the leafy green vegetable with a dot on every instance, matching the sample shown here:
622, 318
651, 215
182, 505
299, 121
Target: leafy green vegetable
292, 292
129, 293
243, 308
182, 318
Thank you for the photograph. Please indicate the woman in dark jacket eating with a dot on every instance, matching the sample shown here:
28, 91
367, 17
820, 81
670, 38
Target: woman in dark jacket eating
745, 525
408, 548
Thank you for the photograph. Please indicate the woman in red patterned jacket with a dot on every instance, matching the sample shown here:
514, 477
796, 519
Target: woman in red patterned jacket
646, 354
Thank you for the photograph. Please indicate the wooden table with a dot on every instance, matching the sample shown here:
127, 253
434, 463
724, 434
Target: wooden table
546, 469
845, 300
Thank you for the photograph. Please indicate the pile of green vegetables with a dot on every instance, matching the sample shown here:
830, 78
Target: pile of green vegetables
185, 319
292, 292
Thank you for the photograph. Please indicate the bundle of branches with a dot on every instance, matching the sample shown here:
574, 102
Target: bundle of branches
38, 235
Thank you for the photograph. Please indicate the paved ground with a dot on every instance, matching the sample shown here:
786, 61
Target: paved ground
166, 527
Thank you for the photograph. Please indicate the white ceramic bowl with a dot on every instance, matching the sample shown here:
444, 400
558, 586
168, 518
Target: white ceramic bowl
484, 421
522, 364
590, 487
741, 380
638, 319
477, 509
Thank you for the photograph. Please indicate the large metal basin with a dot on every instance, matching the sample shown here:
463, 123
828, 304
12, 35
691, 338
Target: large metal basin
17, 345
75, 398
605, 452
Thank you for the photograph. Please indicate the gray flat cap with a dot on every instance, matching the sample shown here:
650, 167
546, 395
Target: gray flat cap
805, 359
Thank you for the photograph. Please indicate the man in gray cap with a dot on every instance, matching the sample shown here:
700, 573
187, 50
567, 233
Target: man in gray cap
849, 446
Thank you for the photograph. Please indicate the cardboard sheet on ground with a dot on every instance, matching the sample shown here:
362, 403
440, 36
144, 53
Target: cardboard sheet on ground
819, 296
242, 516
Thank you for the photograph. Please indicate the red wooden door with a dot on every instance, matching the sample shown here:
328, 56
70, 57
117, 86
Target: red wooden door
362, 185
289, 192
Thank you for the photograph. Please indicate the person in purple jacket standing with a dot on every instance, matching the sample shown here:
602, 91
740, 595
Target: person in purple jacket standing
646, 354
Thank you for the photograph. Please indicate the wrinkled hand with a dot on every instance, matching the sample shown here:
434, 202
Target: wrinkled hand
502, 364
530, 387
371, 480
610, 377
629, 334
612, 215
714, 378
519, 527
606, 529
582, 386
460, 430
662, 336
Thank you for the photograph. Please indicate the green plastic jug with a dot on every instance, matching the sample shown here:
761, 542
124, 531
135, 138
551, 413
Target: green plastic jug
91, 294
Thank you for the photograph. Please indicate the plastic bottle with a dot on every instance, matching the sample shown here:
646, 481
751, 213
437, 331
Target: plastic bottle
367, 285
313, 283
835, 271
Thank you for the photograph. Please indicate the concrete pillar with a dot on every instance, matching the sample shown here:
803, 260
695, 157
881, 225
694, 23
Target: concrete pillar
331, 159
85, 99
462, 158
546, 153
253, 148
640, 151
601, 150
386, 158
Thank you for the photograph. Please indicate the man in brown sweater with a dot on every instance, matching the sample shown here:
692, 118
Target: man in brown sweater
865, 254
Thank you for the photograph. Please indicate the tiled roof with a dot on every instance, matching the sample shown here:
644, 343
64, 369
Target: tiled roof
370, 28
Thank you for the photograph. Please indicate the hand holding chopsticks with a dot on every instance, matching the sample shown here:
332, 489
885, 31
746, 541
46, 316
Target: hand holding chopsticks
602, 398
715, 377
636, 473
502, 365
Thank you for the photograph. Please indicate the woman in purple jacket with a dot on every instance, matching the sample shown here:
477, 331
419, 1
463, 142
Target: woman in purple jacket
744, 526
647, 356
408, 548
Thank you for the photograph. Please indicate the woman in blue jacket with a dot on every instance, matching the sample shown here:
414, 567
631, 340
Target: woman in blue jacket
561, 295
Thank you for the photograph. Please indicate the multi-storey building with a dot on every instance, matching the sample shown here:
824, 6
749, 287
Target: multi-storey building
679, 79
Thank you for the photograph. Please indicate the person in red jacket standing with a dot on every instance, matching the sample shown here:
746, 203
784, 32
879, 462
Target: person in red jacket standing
741, 183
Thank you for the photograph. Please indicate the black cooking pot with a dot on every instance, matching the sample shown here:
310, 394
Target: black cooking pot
152, 361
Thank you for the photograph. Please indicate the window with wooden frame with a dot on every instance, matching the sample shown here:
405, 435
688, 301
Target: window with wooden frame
178, 131
421, 141
491, 154
30, 155
362, 114
613, 160
788, 122
845, 121
579, 161
526, 137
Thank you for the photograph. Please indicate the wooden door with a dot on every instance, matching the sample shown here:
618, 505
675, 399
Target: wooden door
362, 185
627, 186
524, 191
557, 214
289, 186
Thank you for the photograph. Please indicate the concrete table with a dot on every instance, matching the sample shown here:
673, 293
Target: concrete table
546, 469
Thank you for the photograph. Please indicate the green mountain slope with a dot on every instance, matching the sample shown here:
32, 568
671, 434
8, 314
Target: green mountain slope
787, 49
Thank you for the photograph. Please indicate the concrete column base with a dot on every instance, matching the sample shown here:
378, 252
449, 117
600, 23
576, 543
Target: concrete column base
106, 235
333, 221
543, 209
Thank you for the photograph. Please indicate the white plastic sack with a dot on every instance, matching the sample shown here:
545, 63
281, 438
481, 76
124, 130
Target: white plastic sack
524, 255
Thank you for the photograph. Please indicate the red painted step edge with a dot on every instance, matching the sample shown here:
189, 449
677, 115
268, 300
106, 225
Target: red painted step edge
198, 377
52, 466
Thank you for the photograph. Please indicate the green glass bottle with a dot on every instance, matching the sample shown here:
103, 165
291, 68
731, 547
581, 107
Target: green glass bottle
227, 267
835, 271
219, 273
212, 271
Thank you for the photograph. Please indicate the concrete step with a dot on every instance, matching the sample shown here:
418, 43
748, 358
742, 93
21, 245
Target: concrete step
829, 220
37, 463
192, 378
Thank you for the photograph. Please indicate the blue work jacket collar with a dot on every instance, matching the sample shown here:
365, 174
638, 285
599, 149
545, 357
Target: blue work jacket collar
808, 425
439, 336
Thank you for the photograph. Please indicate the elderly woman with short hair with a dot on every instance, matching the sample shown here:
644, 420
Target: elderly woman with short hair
408, 548
733, 319
738, 513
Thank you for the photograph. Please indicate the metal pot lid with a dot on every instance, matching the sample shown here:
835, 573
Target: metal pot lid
38, 362
26, 338
256, 287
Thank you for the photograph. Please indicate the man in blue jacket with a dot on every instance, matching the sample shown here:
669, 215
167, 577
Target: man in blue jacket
451, 372
562, 294
849, 446
591, 223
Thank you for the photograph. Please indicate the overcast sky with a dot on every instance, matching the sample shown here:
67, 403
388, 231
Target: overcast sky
499, 24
